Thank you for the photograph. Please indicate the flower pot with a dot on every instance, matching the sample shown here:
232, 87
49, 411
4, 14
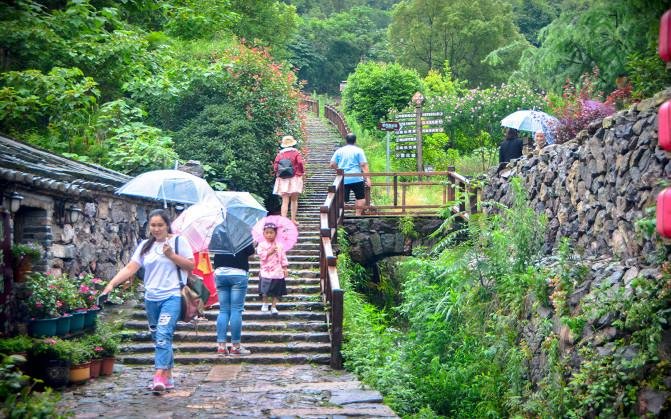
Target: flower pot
96, 365
56, 373
39, 328
107, 367
77, 321
90, 318
63, 325
23, 269
80, 373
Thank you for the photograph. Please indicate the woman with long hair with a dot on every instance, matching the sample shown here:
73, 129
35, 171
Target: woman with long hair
163, 270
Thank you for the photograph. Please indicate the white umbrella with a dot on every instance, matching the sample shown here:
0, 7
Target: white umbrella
527, 120
169, 185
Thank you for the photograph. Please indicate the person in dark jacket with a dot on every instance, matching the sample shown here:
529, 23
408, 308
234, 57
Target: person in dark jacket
511, 147
231, 276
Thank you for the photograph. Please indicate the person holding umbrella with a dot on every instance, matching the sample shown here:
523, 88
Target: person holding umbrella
511, 147
163, 269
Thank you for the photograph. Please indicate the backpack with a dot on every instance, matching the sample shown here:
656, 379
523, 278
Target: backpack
285, 168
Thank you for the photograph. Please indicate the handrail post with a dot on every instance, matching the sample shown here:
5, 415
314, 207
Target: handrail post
336, 329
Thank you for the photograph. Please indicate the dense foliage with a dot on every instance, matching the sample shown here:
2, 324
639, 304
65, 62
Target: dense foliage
375, 89
460, 342
124, 86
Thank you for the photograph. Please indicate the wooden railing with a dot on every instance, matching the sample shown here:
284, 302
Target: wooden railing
312, 105
431, 191
332, 114
330, 217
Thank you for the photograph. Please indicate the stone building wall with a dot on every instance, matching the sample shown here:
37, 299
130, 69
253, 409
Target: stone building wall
596, 187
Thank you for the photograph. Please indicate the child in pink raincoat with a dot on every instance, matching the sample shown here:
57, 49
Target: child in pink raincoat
274, 269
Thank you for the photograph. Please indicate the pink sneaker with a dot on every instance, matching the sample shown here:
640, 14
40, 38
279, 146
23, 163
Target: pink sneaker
160, 384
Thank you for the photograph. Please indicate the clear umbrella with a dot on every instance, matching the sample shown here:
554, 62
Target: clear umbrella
169, 185
529, 120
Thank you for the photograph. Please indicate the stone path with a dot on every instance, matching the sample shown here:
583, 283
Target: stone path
257, 385
227, 391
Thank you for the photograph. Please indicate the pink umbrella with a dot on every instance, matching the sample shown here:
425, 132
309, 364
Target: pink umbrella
197, 223
287, 233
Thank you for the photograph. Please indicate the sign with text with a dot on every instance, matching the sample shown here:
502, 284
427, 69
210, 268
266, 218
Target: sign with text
388, 126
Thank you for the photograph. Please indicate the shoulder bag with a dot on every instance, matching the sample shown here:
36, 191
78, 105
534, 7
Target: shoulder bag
194, 293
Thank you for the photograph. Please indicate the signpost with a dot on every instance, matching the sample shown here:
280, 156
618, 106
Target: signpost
411, 128
388, 126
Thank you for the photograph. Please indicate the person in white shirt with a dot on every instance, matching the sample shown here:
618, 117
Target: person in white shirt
163, 268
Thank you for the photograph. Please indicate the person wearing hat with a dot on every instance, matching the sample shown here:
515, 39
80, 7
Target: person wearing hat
289, 170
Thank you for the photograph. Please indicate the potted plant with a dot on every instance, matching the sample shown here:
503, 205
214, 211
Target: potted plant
18, 345
49, 360
94, 342
24, 255
69, 301
89, 289
110, 342
41, 305
79, 355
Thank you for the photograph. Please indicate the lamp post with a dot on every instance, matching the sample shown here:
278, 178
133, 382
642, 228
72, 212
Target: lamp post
418, 100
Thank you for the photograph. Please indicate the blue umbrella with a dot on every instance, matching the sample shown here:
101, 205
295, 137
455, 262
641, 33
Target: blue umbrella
235, 232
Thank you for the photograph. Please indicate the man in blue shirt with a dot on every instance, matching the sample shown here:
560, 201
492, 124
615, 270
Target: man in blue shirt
352, 159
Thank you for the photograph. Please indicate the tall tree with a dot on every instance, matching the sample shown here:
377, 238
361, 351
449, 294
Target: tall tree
425, 33
594, 33
326, 51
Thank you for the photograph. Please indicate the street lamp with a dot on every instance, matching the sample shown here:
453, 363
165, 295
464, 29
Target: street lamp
14, 201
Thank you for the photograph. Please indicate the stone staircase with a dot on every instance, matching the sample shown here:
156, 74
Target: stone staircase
299, 333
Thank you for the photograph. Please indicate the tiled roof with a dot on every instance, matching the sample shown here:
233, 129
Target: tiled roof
34, 167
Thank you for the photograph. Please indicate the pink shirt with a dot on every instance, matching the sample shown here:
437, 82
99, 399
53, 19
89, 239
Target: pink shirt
272, 265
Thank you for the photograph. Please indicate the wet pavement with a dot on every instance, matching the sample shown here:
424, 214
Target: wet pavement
227, 391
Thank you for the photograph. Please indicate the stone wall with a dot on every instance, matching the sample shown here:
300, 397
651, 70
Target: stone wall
375, 238
595, 188
100, 242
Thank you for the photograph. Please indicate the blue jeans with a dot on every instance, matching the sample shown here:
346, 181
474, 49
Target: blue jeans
231, 290
162, 317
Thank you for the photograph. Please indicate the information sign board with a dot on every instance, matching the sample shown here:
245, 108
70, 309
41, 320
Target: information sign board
388, 125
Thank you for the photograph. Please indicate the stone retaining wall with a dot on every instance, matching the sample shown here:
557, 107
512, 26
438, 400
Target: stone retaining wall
596, 187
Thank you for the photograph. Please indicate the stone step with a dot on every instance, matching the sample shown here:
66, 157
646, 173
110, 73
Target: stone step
213, 358
255, 347
293, 306
295, 264
209, 325
194, 335
255, 314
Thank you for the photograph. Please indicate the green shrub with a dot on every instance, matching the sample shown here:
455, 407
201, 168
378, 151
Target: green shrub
376, 89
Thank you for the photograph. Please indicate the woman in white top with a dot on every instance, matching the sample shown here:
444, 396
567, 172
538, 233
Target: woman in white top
163, 300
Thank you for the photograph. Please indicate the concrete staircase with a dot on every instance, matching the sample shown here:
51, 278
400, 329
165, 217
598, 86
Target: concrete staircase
298, 334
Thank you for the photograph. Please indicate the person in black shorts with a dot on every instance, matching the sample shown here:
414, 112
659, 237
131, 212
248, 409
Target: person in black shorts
352, 159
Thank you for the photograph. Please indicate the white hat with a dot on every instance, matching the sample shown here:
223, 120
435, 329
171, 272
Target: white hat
288, 141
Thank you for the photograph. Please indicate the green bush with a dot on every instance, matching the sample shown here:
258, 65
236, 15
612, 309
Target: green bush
376, 89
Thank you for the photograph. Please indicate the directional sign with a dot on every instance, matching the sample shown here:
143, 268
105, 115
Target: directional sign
406, 139
406, 155
388, 126
406, 147
432, 122
413, 115
405, 115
